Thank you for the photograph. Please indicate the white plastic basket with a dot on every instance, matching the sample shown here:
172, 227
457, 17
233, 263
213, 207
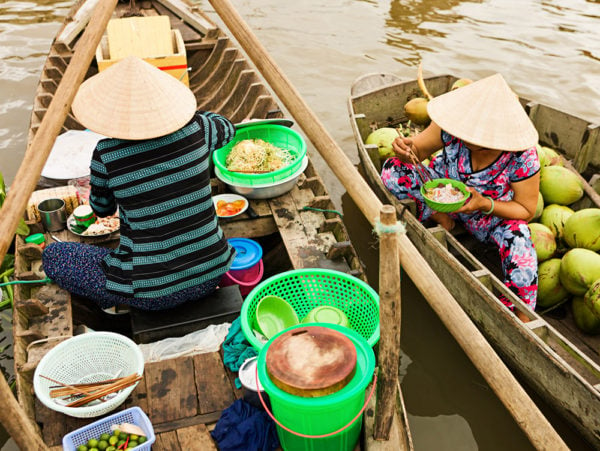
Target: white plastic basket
90, 357
133, 415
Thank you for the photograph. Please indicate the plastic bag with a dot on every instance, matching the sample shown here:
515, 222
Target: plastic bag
198, 342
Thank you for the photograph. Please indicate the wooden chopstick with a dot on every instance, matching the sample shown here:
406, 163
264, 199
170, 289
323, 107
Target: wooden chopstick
110, 388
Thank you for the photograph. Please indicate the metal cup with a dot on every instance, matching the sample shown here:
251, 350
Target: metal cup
52, 212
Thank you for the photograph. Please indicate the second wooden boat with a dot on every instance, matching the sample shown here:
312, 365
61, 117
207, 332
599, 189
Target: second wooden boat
550, 353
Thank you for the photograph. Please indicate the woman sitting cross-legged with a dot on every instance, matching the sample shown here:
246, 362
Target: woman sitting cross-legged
155, 169
488, 143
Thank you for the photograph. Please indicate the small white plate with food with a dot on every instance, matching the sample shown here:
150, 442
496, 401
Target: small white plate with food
102, 226
230, 205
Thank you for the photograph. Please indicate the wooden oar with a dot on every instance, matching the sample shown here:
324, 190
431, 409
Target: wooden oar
16, 422
513, 396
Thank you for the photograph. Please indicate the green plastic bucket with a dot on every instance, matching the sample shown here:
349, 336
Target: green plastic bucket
279, 136
324, 414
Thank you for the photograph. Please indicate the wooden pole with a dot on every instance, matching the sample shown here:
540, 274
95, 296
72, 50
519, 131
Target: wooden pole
513, 396
37, 153
12, 416
389, 322
16, 423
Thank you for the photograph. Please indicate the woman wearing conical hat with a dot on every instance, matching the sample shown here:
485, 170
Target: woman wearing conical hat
488, 143
155, 169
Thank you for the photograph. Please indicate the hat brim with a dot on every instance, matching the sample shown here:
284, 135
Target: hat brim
485, 113
133, 100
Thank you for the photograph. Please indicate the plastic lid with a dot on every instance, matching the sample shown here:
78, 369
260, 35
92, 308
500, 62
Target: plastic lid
37, 238
249, 253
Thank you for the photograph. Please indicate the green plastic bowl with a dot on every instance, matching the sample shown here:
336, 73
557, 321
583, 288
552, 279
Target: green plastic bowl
443, 207
279, 136
274, 314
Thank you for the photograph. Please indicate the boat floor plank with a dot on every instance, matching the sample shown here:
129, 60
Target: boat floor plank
167, 441
196, 437
169, 385
212, 384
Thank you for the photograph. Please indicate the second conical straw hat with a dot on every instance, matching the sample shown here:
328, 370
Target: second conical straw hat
486, 113
133, 100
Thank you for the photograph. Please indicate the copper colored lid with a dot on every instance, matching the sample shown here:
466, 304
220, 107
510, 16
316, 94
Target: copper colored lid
311, 361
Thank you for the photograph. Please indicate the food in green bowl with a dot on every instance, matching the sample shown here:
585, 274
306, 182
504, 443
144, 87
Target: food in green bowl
445, 195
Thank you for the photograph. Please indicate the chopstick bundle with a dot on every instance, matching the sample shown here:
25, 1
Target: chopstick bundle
92, 391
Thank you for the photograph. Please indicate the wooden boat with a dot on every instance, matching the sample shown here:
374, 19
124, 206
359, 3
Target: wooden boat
296, 230
549, 352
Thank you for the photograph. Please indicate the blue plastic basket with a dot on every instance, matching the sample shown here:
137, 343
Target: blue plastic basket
133, 415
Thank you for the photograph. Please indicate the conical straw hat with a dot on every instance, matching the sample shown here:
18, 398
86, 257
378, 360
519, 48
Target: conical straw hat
133, 100
486, 113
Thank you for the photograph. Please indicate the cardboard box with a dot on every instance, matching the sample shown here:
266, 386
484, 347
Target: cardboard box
174, 63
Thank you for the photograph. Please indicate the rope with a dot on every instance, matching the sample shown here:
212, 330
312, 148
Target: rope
395, 228
15, 282
324, 210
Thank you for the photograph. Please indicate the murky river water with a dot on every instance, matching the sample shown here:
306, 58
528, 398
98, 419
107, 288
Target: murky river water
547, 50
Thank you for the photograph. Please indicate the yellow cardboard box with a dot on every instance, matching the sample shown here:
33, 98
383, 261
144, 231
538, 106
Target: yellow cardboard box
148, 38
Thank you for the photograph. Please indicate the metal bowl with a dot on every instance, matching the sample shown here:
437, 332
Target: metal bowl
267, 190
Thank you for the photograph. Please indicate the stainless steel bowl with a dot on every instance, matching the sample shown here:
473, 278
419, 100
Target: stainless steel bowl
266, 191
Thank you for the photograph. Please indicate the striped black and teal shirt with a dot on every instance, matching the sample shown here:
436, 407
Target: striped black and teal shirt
170, 238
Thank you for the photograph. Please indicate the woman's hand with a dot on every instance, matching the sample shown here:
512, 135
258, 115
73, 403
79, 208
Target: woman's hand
403, 147
477, 202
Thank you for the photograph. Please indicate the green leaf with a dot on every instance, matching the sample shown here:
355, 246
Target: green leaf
7, 263
2, 190
23, 228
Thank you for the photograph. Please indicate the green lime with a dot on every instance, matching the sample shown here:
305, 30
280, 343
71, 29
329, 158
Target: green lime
94, 449
116, 432
92, 443
133, 437
142, 439
132, 444
111, 448
113, 439
104, 436
102, 445
82, 448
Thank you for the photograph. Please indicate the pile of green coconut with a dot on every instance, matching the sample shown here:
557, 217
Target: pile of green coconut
567, 241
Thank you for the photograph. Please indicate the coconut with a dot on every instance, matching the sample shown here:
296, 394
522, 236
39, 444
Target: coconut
582, 229
554, 217
416, 111
383, 139
552, 157
543, 241
460, 83
592, 298
559, 185
583, 316
550, 290
539, 207
579, 269
541, 155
